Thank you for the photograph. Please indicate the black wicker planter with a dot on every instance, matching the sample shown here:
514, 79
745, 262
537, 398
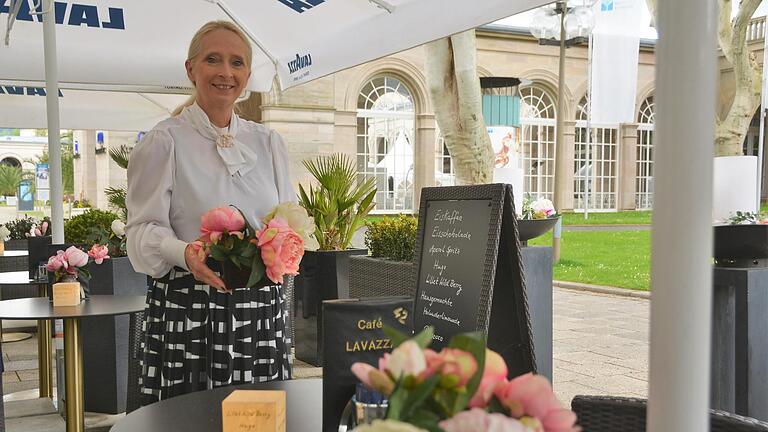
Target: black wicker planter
741, 245
323, 275
105, 339
379, 277
16, 244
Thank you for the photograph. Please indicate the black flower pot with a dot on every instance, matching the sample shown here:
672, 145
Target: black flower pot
532, 228
323, 275
237, 277
741, 245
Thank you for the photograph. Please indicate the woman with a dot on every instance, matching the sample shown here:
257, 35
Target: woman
200, 333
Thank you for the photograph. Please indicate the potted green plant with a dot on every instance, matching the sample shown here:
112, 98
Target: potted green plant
106, 369
338, 203
19, 232
388, 270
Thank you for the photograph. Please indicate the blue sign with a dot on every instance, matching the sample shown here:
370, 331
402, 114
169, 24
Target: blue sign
79, 14
301, 6
26, 201
25, 91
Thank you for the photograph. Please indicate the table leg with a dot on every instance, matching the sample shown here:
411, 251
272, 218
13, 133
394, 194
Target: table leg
73, 376
44, 352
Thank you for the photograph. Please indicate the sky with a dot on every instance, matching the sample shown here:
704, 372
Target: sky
648, 32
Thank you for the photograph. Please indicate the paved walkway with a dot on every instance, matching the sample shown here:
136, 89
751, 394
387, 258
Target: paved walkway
600, 347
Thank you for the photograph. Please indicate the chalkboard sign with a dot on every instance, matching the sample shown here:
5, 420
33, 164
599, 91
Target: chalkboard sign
468, 270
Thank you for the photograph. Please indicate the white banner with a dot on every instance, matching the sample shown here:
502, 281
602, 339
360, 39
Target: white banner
615, 51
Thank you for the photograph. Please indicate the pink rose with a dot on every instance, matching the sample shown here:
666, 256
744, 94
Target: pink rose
478, 420
495, 373
373, 378
281, 249
75, 257
217, 221
99, 253
406, 359
529, 395
560, 420
56, 262
458, 364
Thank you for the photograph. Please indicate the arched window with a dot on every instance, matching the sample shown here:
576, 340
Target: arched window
537, 118
445, 175
595, 165
385, 138
11, 161
644, 180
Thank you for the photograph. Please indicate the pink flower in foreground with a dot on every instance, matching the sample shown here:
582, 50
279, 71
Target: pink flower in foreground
529, 395
373, 378
494, 374
281, 249
478, 420
560, 420
201, 252
216, 222
76, 257
450, 362
99, 253
406, 359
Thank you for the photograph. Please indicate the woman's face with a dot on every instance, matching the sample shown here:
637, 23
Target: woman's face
219, 72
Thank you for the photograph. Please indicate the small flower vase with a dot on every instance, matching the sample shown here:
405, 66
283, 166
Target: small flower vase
67, 292
235, 277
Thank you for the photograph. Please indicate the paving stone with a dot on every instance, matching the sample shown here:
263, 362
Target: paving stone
26, 408
10, 377
19, 386
44, 423
616, 384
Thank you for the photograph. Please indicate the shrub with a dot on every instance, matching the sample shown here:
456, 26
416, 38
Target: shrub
392, 238
19, 228
79, 228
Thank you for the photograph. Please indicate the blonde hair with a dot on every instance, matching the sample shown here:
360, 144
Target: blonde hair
196, 46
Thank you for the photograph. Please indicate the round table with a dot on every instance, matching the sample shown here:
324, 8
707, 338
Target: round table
43, 309
201, 411
17, 278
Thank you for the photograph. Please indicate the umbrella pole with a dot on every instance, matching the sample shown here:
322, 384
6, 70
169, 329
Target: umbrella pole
681, 260
54, 132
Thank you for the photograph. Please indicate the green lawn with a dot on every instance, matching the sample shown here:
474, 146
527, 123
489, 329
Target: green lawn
612, 258
613, 218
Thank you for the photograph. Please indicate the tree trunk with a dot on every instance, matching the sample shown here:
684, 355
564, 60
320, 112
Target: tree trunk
454, 88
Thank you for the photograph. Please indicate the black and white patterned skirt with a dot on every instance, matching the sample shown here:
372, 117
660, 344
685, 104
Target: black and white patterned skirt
197, 338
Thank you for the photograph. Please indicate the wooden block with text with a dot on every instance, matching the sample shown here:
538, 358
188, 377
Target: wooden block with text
66, 294
254, 410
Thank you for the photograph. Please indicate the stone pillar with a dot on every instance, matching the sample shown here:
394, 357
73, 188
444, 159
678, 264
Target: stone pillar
85, 166
627, 167
423, 156
566, 182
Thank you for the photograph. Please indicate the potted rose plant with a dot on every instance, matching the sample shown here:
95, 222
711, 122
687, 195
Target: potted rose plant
251, 257
338, 204
462, 388
537, 217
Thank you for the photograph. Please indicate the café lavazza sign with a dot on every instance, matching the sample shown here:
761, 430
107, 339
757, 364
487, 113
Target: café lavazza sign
468, 270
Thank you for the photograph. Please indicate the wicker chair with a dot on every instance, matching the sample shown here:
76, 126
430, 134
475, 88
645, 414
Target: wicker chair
135, 336
609, 414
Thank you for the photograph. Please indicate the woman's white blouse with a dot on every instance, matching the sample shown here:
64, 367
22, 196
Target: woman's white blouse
178, 172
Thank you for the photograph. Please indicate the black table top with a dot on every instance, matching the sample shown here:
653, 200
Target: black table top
201, 411
98, 305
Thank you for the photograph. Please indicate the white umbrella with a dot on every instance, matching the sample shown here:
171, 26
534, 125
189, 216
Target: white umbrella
24, 107
141, 42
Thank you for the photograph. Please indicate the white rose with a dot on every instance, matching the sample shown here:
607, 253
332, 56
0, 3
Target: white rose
5, 234
118, 227
298, 219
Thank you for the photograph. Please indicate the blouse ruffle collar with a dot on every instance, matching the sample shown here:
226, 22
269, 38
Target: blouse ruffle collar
237, 157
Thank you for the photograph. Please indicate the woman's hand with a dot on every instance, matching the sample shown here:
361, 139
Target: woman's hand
196, 265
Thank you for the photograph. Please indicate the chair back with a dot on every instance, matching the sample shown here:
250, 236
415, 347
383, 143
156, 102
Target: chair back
610, 413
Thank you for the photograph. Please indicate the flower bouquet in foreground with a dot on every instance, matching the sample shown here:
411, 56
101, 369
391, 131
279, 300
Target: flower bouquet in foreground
251, 257
462, 388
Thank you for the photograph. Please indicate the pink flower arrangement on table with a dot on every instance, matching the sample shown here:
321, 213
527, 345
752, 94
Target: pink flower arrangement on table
74, 262
273, 251
462, 388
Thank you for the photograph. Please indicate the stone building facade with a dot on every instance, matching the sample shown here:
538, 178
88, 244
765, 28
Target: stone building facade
380, 114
